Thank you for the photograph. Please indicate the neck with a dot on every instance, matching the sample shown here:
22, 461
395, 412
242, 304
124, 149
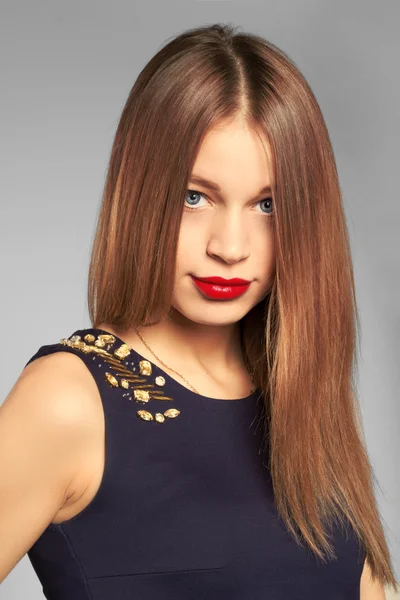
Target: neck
199, 347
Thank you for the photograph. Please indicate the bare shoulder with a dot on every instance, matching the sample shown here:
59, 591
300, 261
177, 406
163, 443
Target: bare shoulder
48, 426
58, 385
370, 589
56, 389
63, 392
47, 371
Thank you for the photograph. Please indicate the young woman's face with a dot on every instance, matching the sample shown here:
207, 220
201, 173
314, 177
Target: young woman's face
226, 233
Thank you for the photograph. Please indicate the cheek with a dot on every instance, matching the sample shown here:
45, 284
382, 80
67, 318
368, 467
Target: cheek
192, 234
263, 249
186, 249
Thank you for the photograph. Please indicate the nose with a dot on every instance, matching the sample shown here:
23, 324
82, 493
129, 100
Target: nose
229, 238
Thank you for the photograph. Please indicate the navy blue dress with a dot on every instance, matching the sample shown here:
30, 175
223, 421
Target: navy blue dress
185, 509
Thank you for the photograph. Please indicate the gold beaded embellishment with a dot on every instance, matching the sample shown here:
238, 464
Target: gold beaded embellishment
123, 377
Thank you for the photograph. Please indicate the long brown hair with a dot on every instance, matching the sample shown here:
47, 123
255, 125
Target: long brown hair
300, 342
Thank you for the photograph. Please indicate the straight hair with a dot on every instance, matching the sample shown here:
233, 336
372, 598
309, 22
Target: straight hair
300, 342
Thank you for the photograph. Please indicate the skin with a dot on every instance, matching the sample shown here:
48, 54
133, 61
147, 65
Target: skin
369, 589
227, 234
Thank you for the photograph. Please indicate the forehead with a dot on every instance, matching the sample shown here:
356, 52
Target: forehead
234, 152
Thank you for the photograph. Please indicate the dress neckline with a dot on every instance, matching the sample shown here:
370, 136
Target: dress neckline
172, 381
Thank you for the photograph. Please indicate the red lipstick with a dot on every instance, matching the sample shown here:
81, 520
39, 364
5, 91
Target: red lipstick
218, 288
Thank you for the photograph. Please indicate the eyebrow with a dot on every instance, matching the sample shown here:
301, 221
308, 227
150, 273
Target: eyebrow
216, 188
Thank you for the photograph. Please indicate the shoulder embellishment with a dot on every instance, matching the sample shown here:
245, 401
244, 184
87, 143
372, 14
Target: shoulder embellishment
124, 377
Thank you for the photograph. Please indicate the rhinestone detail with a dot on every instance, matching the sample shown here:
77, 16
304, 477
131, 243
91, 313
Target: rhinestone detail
143, 389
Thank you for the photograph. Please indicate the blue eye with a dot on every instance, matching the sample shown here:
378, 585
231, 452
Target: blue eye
269, 203
193, 193
194, 202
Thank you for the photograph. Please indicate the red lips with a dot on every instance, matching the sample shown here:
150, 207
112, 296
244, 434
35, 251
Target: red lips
222, 281
218, 288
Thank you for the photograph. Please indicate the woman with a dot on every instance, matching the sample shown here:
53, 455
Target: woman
202, 438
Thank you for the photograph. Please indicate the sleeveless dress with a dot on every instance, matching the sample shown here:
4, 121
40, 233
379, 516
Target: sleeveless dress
185, 509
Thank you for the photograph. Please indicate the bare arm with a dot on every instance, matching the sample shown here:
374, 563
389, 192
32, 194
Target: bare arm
369, 589
44, 432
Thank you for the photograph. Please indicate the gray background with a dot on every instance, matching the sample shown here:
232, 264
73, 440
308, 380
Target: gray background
66, 70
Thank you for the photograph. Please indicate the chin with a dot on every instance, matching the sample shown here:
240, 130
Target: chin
216, 313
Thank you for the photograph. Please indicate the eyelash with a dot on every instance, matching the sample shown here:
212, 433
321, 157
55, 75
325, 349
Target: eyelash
191, 208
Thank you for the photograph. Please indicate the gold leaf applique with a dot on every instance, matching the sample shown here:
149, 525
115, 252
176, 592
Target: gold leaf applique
143, 390
145, 415
145, 367
141, 395
111, 379
122, 352
171, 413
